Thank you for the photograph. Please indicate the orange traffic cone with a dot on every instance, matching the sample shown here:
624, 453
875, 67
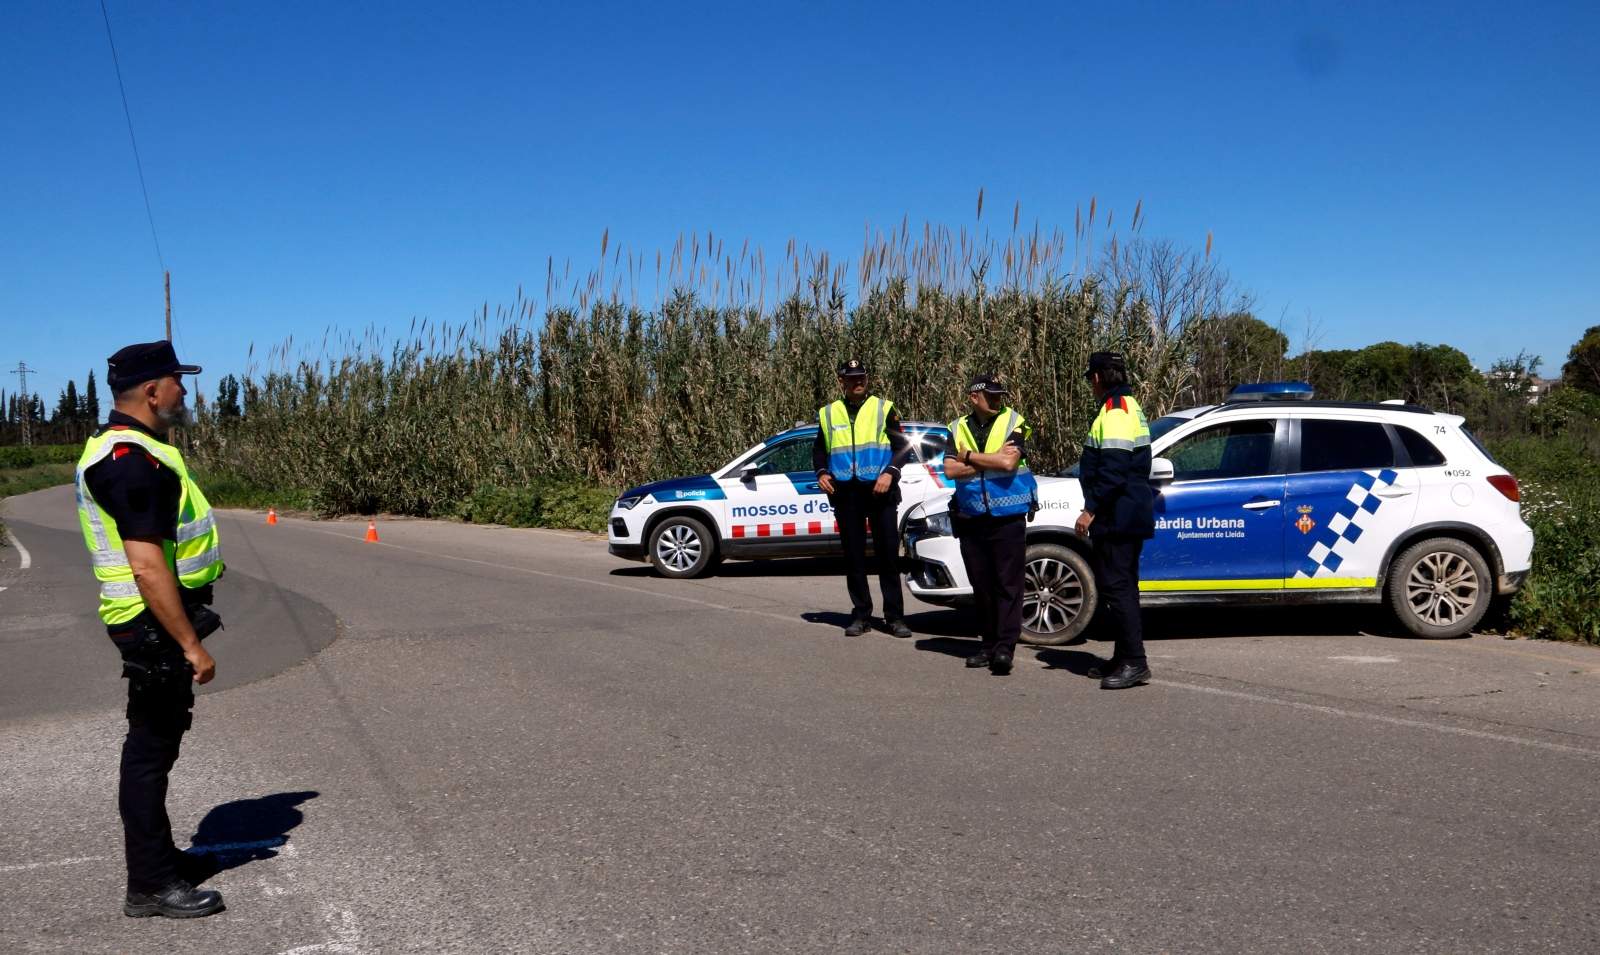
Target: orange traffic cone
272, 516
372, 532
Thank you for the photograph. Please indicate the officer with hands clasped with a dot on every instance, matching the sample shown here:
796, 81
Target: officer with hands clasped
1118, 512
153, 545
996, 496
858, 454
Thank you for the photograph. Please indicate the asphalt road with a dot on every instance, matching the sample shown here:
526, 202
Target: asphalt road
469, 739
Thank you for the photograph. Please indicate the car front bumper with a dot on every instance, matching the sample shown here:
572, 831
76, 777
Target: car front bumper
935, 572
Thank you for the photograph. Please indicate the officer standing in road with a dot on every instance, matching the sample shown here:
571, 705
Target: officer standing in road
153, 544
858, 454
1118, 512
995, 497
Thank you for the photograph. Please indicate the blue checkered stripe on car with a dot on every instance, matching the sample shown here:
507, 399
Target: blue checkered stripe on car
1346, 526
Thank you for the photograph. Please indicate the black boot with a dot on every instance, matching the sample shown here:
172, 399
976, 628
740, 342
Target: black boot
979, 659
1000, 662
1126, 675
179, 900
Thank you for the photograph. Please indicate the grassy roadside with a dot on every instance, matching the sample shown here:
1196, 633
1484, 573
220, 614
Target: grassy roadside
1560, 482
24, 469
570, 503
34, 478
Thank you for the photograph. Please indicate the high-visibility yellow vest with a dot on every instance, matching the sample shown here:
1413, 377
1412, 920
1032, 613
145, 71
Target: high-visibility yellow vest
994, 492
857, 448
1119, 426
195, 556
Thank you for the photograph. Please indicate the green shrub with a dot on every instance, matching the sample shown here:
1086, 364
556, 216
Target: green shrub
1560, 481
17, 456
550, 502
224, 489
34, 478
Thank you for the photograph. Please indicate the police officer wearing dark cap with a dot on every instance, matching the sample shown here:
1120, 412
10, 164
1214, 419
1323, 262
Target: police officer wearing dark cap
996, 495
153, 545
1118, 512
858, 454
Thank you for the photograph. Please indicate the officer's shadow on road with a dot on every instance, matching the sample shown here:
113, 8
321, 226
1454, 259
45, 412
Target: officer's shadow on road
244, 831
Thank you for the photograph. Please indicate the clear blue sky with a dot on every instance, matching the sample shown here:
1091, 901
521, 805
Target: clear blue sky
1380, 171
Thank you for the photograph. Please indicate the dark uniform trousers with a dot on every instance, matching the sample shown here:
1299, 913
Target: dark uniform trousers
1117, 570
994, 550
854, 505
159, 702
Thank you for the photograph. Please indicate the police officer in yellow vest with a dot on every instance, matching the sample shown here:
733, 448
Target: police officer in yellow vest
1118, 512
858, 454
995, 496
153, 545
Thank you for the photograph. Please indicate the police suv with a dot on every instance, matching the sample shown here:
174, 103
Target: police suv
764, 503
1273, 497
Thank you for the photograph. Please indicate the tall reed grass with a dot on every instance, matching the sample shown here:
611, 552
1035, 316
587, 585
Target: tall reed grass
724, 350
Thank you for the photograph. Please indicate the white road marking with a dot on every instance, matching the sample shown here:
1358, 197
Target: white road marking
54, 862
27, 558
1390, 720
1367, 659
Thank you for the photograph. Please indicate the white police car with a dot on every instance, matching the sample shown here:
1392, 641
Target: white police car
764, 503
1271, 498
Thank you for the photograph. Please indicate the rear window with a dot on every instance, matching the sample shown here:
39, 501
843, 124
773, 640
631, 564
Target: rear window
1423, 453
1479, 445
1333, 445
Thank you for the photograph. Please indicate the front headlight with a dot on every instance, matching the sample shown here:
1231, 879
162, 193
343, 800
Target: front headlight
939, 524
630, 502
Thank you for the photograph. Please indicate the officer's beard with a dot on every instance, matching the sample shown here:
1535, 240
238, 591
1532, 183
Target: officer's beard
174, 417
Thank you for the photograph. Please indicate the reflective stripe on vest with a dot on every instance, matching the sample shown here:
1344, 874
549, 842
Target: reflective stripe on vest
857, 449
995, 492
195, 554
1120, 425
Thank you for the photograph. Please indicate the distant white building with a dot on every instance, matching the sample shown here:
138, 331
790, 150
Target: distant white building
1535, 386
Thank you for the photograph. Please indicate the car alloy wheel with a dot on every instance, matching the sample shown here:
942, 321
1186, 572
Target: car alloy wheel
1443, 588
679, 547
1440, 588
1052, 596
1058, 594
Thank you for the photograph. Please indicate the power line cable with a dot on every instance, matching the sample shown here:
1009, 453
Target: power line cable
137, 162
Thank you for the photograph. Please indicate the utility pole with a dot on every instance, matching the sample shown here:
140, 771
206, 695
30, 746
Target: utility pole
22, 371
167, 281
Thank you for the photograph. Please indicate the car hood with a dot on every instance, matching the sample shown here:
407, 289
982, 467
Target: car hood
1056, 494
700, 487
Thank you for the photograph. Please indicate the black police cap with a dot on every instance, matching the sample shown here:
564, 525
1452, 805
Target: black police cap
852, 368
1108, 361
990, 383
143, 362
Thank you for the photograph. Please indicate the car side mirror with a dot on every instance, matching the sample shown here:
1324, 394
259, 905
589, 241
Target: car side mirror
1160, 470
749, 473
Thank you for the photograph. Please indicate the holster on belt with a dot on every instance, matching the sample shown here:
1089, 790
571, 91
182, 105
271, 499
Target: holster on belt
151, 657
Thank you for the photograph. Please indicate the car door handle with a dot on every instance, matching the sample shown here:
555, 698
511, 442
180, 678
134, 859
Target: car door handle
1389, 494
812, 486
1261, 505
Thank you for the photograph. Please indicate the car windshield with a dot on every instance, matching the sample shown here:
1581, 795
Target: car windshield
1161, 426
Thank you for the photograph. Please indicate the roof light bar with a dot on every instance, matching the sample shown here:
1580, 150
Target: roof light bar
1273, 391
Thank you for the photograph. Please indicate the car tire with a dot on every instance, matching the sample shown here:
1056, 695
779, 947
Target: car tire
682, 546
1059, 595
1440, 588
